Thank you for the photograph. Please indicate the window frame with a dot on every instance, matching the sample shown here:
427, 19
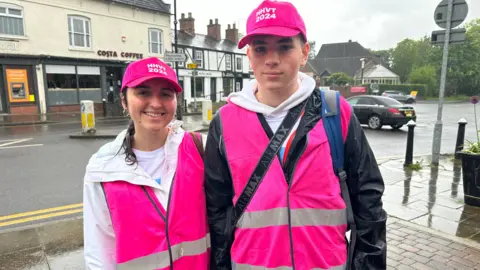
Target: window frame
160, 42
7, 7
197, 59
87, 37
239, 60
228, 64
181, 64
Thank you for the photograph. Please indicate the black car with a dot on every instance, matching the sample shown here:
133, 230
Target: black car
377, 111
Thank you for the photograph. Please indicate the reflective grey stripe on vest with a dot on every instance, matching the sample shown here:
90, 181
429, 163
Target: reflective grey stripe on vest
162, 259
237, 266
300, 217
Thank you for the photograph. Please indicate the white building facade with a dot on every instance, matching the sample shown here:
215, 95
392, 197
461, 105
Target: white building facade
74, 50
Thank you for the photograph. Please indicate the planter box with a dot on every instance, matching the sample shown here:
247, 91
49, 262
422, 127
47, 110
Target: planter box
471, 178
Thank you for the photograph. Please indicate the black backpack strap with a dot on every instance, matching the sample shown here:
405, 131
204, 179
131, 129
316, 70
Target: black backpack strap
265, 161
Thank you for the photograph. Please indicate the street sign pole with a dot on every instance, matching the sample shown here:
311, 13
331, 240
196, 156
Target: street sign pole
437, 133
194, 90
180, 102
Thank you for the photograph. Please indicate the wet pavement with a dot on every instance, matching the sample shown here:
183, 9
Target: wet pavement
429, 227
432, 197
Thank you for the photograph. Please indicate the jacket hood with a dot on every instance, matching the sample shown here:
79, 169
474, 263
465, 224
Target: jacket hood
108, 164
247, 100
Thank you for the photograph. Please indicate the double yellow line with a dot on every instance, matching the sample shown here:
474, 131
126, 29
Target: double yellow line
40, 214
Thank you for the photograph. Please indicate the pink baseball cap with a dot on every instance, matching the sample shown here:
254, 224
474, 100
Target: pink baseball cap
146, 69
275, 18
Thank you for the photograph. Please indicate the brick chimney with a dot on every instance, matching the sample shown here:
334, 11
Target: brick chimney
232, 34
215, 30
187, 24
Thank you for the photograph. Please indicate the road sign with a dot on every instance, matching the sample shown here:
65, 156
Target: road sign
459, 13
175, 57
457, 36
192, 66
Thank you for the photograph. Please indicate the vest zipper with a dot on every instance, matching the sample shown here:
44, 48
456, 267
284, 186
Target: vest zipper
166, 223
294, 164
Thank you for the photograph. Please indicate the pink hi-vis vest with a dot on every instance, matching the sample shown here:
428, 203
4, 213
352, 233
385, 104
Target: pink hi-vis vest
301, 226
150, 237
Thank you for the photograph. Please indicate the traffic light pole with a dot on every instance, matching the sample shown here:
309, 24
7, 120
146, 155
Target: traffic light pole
437, 132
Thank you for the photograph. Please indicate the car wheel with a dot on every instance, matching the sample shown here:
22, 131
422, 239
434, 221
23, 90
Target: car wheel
410, 101
396, 127
374, 122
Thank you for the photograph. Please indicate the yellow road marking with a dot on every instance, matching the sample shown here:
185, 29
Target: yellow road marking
56, 214
26, 214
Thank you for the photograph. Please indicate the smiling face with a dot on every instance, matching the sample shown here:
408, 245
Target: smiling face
151, 105
276, 60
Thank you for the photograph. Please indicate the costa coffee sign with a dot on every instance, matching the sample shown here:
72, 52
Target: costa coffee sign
114, 54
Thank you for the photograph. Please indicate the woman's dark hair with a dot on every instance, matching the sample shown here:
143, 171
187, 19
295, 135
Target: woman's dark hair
130, 157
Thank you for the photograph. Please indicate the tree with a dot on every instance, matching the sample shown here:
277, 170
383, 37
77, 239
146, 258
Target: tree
404, 57
339, 78
464, 63
384, 55
425, 75
313, 50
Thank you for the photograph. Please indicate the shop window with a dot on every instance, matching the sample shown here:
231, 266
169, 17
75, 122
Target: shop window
79, 32
11, 20
227, 86
199, 87
62, 89
155, 40
89, 83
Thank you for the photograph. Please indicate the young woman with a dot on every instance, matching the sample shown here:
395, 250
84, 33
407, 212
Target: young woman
273, 197
144, 202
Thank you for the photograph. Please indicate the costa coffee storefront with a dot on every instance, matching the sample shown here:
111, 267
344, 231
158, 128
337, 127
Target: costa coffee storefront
68, 81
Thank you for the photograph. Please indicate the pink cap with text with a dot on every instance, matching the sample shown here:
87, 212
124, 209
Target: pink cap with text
146, 69
275, 18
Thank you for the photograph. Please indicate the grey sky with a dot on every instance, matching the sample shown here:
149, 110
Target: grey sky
376, 24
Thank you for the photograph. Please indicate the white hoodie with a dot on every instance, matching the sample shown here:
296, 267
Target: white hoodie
107, 165
274, 116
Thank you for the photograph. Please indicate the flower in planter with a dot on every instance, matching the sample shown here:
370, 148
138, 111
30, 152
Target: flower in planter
474, 101
474, 147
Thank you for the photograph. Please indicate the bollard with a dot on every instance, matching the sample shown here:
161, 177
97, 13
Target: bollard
409, 153
104, 101
460, 136
88, 116
206, 112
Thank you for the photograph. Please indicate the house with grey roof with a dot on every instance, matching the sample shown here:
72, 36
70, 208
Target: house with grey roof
222, 68
351, 58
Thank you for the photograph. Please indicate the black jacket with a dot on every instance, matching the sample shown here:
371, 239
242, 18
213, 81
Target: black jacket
365, 184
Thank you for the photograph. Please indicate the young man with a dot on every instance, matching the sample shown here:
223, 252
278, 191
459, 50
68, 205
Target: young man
274, 199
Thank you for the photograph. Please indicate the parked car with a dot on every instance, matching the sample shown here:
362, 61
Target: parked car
400, 96
377, 111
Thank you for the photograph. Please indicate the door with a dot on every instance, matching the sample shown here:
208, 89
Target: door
364, 109
213, 89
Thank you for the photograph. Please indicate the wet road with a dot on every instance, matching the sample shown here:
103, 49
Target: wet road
41, 168
387, 142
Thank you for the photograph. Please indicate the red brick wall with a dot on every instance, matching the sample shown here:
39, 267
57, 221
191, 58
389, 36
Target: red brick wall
73, 108
24, 109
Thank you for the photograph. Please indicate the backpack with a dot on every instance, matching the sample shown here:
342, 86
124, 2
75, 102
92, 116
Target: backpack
333, 127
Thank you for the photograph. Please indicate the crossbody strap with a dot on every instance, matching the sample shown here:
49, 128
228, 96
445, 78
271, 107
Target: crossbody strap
265, 161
